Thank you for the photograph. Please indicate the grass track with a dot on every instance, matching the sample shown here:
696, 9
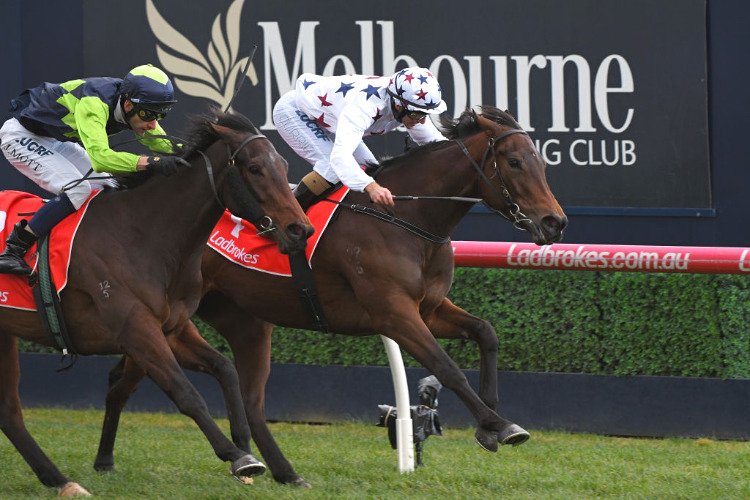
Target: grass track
164, 456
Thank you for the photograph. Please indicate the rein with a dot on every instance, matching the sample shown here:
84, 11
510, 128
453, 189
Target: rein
392, 219
514, 211
262, 221
72, 184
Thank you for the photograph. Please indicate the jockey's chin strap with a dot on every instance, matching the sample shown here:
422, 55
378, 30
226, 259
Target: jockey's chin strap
514, 211
256, 216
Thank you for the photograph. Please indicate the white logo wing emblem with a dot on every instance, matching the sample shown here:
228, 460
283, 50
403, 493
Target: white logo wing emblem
212, 76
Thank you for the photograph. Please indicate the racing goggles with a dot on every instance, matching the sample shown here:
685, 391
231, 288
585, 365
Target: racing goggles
149, 115
415, 115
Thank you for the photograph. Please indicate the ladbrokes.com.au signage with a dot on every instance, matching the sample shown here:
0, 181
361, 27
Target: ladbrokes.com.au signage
613, 93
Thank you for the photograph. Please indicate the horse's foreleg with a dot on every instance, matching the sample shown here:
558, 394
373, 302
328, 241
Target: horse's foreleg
124, 378
451, 322
194, 353
143, 340
12, 424
411, 334
250, 340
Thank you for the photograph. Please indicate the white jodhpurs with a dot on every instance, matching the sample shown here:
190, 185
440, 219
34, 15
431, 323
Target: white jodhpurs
49, 163
309, 140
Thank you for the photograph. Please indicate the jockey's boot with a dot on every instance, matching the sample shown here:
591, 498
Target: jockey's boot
304, 196
312, 188
18, 243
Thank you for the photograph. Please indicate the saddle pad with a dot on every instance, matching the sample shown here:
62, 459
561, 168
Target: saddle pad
15, 291
236, 239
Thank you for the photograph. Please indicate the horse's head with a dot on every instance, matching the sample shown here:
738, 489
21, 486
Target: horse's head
252, 182
512, 176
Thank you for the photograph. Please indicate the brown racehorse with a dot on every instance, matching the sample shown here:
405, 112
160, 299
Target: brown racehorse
146, 243
377, 278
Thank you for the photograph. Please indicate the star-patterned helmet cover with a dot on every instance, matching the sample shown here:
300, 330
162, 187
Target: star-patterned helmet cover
417, 90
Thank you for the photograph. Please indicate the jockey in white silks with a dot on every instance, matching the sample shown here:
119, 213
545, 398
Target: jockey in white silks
325, 118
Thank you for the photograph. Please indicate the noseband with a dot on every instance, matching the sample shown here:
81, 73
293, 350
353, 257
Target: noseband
514, 211
260, 219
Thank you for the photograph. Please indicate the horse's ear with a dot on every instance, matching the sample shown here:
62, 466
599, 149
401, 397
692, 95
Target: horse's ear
219, 129
507, 111
225, 133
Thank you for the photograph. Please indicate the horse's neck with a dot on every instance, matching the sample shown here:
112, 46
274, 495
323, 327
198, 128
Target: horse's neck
180, 211
446, 172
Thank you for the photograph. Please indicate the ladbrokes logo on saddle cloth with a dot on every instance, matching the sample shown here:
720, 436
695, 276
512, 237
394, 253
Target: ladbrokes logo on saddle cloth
15, 291
237, 240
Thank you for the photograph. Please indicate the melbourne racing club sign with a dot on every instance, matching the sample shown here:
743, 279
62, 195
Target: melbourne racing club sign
616, 101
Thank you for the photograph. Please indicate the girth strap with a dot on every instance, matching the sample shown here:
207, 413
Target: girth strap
304, 282
48, 305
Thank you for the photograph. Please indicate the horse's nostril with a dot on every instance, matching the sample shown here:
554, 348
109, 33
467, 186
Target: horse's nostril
298, 231
554, 224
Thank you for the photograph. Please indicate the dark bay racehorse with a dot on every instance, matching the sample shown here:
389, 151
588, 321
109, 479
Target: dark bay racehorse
377, 278
146, 244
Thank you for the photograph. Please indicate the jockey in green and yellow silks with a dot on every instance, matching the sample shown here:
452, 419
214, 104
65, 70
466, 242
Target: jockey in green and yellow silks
60, 131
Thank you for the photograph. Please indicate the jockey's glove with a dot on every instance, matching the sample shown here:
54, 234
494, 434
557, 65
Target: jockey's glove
165, 165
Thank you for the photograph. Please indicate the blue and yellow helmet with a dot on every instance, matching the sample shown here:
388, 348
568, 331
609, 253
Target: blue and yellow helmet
148, 87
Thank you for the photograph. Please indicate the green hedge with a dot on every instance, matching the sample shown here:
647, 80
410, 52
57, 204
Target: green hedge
692, 325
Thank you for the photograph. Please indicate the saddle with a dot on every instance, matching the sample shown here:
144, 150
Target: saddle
40, 291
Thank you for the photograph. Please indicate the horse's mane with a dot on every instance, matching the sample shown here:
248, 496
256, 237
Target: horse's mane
467, 124
459, 128
199, 136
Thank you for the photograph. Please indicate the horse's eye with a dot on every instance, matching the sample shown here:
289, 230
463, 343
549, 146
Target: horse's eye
253, 169
514, 163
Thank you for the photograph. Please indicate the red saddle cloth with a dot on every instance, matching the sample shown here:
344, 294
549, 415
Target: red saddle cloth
15, 291
236, 239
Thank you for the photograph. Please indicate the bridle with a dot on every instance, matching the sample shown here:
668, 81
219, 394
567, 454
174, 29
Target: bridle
257, 217
514, 213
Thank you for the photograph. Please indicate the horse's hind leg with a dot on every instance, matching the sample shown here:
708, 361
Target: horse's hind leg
250, 340
123, 381
12, 425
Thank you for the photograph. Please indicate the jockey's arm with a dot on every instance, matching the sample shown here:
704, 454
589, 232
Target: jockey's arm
91, 116
349, 132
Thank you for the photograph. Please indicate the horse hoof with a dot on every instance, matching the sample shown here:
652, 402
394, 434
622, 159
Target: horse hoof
513, 434
301, 483
104, 467
72, 490
486, 439
244, 469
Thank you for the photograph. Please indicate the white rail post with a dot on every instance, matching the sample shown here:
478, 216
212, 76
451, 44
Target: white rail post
404, 428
